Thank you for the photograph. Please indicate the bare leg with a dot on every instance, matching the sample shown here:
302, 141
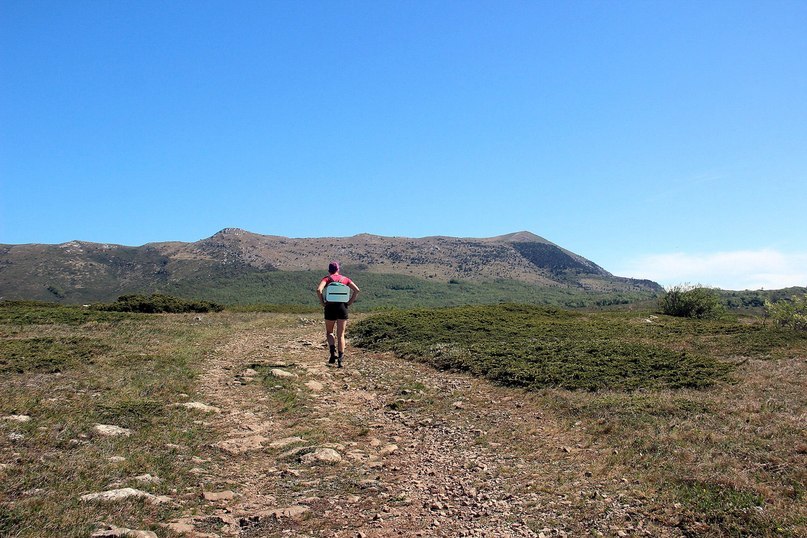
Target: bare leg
329, 333
341, 325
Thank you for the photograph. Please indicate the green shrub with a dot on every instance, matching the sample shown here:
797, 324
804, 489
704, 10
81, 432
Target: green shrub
158, 303
691, 302
791, 314
538, 347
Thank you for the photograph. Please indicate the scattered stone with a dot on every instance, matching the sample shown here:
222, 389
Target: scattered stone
249, 372
199, 406
315, 386
15, 437
111, 531
187, 525
116, 459
108, 430
322, 455
181, 526
148, 479
292, 512
459, 405
388, 450
283, 443
283, 374
240, 445
226, 495
17, 418
293, 452
124, 493
356, 455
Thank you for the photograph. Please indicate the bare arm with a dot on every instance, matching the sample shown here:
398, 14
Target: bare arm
355, 293
319, 292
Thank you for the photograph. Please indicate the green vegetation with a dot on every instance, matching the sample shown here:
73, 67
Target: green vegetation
754, 300
387, 291
41, 313
158, 304
711, 425
791, 314
47, 354
691, 302
535, 347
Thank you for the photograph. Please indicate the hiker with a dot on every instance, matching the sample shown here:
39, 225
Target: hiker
336, 292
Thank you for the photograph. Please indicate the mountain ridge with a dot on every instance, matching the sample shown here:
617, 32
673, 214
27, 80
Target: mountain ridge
78, 270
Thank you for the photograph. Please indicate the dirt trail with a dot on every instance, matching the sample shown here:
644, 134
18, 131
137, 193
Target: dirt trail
420, 452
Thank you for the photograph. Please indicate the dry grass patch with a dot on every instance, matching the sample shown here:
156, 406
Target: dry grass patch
68, 369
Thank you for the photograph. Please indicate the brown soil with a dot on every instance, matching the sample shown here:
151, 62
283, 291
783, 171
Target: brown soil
423, 452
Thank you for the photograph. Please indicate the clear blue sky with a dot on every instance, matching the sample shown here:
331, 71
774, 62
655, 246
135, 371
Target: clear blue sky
660, 139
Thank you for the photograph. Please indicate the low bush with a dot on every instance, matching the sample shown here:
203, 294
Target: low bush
791, 314
538, 347
691, 302
158, 303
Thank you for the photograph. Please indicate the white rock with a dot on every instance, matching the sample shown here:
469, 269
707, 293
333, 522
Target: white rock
111, 531
124, 493
389, 449
226, 495
17, 418
199, 406
315, 386
283, 374
322, 455
291, 512
108, 430
148, 479
240, 445
117, 459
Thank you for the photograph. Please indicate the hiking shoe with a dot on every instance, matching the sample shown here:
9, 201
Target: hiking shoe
339, 362
332, 359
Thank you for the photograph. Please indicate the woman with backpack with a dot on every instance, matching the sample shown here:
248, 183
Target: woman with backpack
336, 292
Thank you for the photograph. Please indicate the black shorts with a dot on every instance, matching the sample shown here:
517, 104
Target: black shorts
334, 311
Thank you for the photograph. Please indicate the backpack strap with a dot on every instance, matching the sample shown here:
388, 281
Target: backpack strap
332, 279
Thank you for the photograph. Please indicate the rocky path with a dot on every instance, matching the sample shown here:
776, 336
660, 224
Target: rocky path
387, 447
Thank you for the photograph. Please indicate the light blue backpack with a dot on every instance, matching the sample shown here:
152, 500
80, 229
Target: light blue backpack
336, 292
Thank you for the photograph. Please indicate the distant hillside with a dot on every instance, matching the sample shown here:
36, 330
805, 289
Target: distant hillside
236, 266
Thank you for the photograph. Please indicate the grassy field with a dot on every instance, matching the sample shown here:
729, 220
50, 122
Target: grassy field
711, 413
69, 368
